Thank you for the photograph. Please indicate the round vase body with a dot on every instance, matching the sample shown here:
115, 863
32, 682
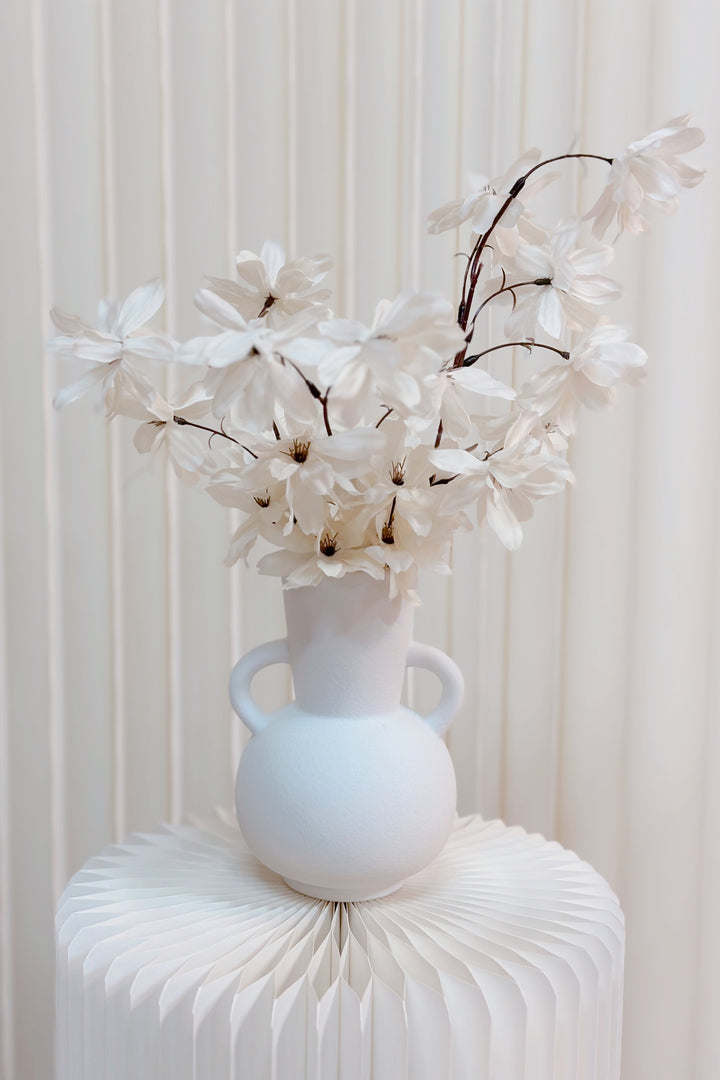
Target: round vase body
344, 792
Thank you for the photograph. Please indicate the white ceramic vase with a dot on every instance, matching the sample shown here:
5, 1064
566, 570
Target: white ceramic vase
345, 793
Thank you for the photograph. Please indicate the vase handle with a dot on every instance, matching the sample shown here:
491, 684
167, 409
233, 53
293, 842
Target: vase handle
453, 684
241, 699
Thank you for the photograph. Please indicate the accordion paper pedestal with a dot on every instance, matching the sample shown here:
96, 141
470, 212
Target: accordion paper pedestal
180, 957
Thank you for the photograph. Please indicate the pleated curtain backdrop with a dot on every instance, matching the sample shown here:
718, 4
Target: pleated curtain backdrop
147, 138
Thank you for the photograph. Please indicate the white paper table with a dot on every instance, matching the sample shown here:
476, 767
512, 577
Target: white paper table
180, 957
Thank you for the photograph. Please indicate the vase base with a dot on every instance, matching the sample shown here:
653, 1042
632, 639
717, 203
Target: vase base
340, 895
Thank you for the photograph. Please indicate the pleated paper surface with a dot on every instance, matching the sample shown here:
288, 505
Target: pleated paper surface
180, 957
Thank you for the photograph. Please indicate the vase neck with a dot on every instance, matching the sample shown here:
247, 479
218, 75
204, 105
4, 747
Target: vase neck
348, 644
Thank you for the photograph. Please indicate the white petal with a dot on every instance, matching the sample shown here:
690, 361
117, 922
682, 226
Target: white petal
147, 437
478, 381
273, 255
219, 310
503, 522
352, 446
231, 383
140, 306
518, 168
99, 350
193, 351
150, 347
230, 348
308, 351
457, 461
448, 216
239, 295
69, 324
76, 390
333, 363
344, 330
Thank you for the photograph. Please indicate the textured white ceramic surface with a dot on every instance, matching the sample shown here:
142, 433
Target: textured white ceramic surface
345, 793
180, 956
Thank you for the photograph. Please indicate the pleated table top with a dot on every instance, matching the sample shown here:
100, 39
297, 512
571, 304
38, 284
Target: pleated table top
179, 956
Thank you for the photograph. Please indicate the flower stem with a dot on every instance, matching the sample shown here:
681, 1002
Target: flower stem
182, 422
315, 392
520, 184
529, 345
474, 265
326, 418
509, 288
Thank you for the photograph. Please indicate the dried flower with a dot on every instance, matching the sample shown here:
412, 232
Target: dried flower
362, 449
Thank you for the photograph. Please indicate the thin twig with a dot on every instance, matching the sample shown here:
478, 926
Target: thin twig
308, 382
529, 345
316, 393
326, 418
509, 288
182, 422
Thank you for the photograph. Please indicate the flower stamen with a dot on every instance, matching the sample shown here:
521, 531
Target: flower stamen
387, 534
269, 301
397, 472
328, 544
299, 450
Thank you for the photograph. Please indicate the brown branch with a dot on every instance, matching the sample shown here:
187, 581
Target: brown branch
182, 422
474, 266
529, 345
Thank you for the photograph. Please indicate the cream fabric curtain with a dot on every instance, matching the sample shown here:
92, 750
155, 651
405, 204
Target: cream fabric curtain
149, 137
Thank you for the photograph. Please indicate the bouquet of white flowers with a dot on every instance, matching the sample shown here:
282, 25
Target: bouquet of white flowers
363, 448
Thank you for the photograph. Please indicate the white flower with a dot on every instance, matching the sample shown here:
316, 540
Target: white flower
270, 288
113, 347
522, 425
400, 551
396, 359
505, 484
247, 365
648, 173
507, 240
266, 513
573, 286
461, 382
170, 426
487, 197
599, 361
525, 425
329, 554
350, 448
315, 468
403, 482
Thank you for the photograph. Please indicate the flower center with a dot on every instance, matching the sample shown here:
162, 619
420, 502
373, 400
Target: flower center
328, 544
387, 534
299, 451
269, 301
262, 500
397, 472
